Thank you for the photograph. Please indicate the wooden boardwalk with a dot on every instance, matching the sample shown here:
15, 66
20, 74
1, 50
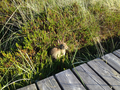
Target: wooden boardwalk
99, 74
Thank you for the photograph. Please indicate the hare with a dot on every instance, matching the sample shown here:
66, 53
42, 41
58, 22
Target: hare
59, 51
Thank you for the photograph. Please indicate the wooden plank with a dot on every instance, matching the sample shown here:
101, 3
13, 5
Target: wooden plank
90, 78
106, 72
113, 60
68, 81
48, 84
117, 53
29, 87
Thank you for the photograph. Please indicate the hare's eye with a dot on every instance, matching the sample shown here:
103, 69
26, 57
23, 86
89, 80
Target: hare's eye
61, 46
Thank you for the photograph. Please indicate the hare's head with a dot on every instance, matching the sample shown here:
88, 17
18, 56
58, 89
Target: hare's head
62, 44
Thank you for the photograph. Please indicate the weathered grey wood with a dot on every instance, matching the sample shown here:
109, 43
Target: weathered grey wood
90, 78
48, 84
68, 81
106, 72
113, 60
117, 53
29, 87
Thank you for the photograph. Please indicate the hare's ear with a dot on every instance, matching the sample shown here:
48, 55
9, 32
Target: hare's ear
63, 39
59, 41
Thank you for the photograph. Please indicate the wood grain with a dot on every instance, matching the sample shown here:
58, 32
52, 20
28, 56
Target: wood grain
117, 53
48, 84
29, 87
113, 60
90, 78
106, 72
68, 81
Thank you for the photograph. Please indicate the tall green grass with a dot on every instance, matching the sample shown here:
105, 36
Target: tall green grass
30, 28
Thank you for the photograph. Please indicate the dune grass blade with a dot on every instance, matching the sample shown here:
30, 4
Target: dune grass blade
9, 18
25, 59
13, 83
